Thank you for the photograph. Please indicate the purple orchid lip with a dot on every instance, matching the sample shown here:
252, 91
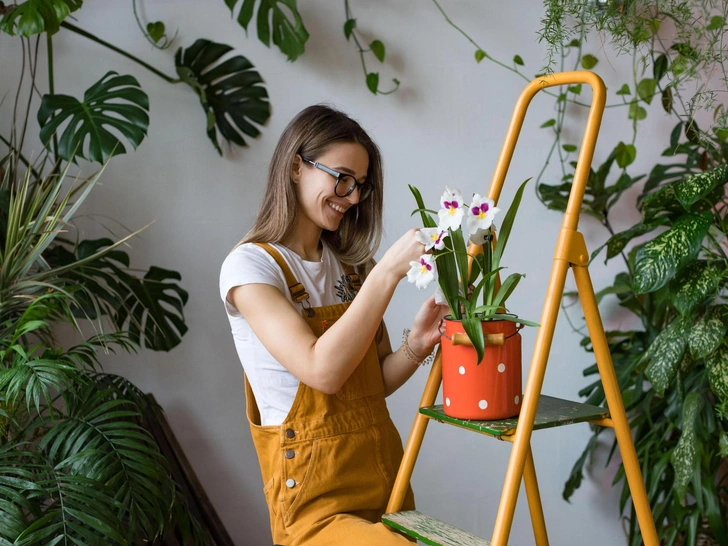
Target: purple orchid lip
482, 208
426, 265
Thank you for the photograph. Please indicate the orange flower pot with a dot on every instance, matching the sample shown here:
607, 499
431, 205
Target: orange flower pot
490, 389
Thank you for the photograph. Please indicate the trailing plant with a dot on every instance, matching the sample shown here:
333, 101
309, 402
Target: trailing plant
473, 294
673, 371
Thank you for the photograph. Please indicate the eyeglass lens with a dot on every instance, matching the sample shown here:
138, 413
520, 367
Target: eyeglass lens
346, 184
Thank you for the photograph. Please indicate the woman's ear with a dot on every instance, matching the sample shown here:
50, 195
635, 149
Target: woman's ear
296, 168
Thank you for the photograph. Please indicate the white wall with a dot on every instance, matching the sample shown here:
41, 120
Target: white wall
445, 126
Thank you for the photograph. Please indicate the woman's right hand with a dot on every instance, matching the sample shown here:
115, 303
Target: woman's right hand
405, 250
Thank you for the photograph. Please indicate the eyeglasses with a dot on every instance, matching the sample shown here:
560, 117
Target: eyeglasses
345, 183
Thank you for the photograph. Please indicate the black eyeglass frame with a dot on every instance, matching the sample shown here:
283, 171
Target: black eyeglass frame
365, 188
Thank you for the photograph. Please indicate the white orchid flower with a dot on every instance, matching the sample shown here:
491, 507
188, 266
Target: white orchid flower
479, 237
423, 272
480, 217
431, 238
451, 213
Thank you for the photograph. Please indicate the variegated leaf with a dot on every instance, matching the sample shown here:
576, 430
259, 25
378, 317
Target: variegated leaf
617, 242
693, 188
658, 260
694, 285
717, 365
661, 200
707, 335
683, 456
666, 353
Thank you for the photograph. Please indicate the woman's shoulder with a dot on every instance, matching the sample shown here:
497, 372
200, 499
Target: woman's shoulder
249, 259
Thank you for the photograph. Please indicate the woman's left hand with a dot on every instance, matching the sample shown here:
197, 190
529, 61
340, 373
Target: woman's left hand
425, 332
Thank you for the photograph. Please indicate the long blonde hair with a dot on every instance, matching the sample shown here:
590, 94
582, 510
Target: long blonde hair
310, 134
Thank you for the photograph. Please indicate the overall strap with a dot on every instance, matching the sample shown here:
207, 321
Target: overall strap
297, 290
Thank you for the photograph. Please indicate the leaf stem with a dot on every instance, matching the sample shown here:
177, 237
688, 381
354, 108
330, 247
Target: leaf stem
98, 40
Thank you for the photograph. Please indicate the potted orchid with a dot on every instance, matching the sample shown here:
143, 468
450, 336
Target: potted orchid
481, 346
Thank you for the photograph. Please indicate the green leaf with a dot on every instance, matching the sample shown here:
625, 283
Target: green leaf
666, 99
373, 81
153, 310
474, 329
617, 242
717, 365
549, 123
691, 189
115, 101
349, 27
589, 61
696, 282
658, 260
574, 43
625, 154
636, 111
660, 67
479, 55
231, 92
156, 30
377, 48
723, 444
716, 23
707, 334
646, 89
666, 353
36, 16
569, 147
507, 226
517, 60
288, 32
576, 89
624, 90
683, 457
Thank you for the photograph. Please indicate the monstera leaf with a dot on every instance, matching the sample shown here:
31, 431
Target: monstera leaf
288, 33
145, 316
36, 16
231, 91
115, 101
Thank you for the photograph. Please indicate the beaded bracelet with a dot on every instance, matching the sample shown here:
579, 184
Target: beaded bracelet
411, 356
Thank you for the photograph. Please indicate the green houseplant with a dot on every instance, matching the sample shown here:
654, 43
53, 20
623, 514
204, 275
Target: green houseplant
469, 282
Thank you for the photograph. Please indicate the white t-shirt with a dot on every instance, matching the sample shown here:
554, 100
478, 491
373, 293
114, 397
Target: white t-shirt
275, 387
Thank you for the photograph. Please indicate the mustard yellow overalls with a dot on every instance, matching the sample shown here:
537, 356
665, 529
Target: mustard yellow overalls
329, 468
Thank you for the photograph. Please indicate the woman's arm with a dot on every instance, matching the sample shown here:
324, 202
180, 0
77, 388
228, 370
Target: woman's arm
325, 363
397, 368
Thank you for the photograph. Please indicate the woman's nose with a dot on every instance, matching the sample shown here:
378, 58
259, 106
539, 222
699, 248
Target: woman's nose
353, 197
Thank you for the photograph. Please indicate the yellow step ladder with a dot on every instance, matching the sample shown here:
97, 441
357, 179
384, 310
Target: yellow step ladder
537, 411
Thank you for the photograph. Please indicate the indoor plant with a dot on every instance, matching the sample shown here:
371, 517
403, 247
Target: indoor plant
481, 347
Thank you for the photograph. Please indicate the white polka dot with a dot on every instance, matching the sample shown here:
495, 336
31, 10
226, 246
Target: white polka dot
462, 370
501, 367
447, 402
517, 399
482, 404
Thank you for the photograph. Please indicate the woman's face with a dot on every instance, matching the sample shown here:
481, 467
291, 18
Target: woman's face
317, 202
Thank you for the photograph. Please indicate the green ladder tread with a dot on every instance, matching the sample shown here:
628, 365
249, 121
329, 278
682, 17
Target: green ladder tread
552, 412
430, 530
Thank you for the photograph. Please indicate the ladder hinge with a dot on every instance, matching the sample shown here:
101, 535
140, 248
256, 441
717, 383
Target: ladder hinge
572, 248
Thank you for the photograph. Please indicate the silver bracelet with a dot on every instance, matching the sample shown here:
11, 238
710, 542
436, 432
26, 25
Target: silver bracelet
411, 356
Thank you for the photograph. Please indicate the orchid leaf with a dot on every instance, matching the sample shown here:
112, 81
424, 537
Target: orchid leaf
474, 329
505, 229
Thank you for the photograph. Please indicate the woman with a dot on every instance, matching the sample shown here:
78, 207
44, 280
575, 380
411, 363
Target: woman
318, 360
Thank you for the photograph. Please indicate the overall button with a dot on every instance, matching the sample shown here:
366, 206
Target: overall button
290, 433
290, 482
290, 454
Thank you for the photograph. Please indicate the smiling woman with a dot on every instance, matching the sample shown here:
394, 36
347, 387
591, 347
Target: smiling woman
327, 448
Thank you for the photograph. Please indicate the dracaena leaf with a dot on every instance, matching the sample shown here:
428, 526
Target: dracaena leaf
697, 282
666, 353
717, 366
707, 334
683, 456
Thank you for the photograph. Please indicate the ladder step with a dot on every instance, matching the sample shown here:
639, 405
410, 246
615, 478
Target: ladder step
552, 412
430, 530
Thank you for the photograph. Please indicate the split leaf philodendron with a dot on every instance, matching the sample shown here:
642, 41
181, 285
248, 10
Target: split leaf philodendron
473, 295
